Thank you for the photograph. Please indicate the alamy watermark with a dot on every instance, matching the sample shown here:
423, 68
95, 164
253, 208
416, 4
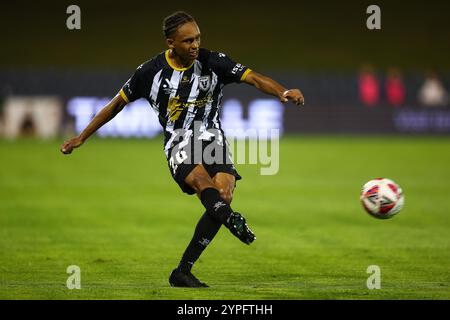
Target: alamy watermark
209, 146
73, 21
74, 280
373, 22
374, 280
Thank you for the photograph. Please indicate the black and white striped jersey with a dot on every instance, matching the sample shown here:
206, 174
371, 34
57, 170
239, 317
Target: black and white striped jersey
182, 96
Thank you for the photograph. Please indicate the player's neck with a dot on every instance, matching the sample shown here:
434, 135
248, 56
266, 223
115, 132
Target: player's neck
178, 61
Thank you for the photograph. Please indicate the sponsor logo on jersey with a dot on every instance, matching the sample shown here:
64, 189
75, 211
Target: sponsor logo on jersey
175, 106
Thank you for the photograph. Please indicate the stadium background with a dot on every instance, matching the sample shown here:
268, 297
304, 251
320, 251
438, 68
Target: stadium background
320, 48
59, 211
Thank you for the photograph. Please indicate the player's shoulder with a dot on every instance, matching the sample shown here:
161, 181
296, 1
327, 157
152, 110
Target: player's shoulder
152, 65
211, 53
206, 55
203, 55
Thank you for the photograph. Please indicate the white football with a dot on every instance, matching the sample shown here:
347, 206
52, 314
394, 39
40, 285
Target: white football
382, 198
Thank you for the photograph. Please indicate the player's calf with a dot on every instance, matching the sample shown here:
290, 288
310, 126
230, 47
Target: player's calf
217, 207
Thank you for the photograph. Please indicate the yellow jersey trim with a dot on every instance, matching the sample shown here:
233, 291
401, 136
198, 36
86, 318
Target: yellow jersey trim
244, 75
123, 95
175, 67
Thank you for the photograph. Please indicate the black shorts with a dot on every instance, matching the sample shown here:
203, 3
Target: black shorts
185, 155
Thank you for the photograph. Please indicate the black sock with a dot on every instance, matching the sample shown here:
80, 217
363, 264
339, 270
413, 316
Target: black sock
215, 205
204, 232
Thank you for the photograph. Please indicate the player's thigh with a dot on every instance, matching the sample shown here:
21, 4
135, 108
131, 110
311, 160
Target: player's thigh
225, 183
199, 179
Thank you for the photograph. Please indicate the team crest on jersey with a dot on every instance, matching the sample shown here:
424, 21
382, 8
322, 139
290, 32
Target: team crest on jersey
204, 83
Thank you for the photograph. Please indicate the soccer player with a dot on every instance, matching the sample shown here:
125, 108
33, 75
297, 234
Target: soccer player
184, 87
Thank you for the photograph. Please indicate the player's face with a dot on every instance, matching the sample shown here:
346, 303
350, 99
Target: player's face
186, 41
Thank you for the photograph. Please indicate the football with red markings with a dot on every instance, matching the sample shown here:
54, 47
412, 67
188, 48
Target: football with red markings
382, 198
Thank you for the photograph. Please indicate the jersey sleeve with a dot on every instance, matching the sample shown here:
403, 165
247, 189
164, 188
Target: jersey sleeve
134, 88
228, 70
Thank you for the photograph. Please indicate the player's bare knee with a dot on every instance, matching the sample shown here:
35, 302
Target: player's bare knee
200, 182
226, 195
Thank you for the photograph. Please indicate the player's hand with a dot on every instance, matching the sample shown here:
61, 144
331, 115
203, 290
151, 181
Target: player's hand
293, 95
71, 144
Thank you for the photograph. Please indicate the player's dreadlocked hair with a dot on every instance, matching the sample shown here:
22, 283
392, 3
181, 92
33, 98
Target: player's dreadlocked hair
174, 21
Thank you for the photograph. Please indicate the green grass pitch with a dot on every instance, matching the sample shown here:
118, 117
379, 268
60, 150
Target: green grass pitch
112, 209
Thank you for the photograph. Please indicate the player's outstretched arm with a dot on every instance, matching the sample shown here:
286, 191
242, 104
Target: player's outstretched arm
107, 113
270, 86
